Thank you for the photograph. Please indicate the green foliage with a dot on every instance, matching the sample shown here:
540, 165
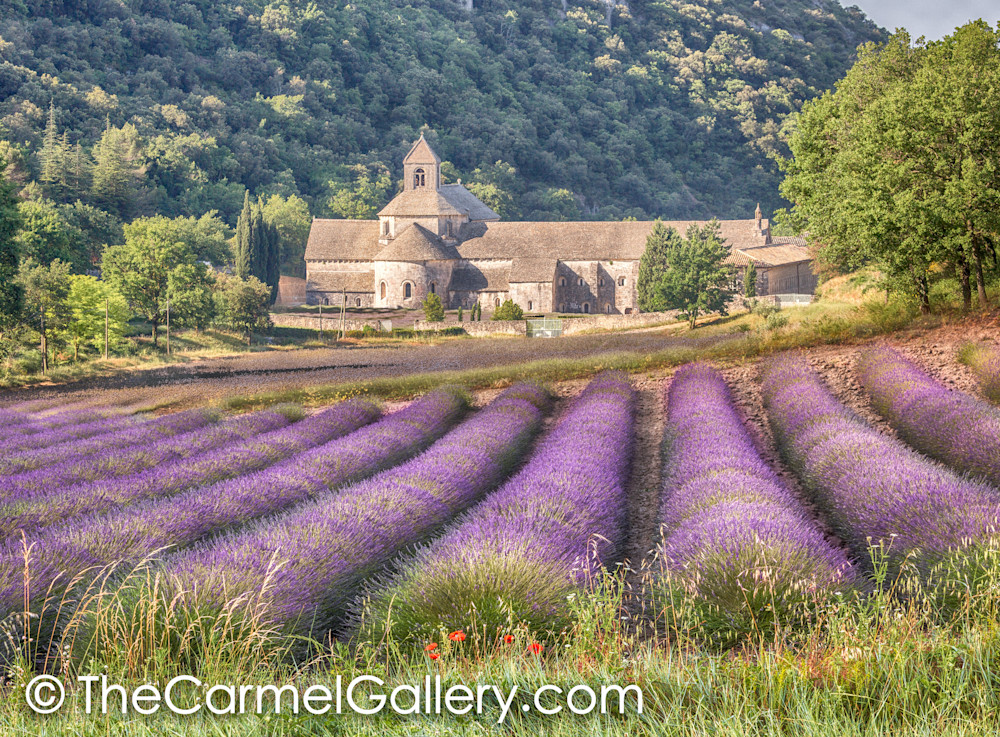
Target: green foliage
244, 304
663, 109
155, 265
509, 310
11, 294
46, 235
363, 196
897, 167
290, 218
46, 289
461, 314
695, 281
86, 316
750, 281
243, 255
653, 265
433, 309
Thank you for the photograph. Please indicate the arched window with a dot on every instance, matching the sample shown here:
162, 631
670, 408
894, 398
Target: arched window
562, 281
579, 282
433, 288
419, 178
326, 300
586, 307
607, 308
529, 306
600, 282
621, 281
357, 302
496, 302
562, 306
381, 290
385, 227
407, 290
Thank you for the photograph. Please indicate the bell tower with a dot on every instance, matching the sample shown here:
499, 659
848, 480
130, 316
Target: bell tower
421, 167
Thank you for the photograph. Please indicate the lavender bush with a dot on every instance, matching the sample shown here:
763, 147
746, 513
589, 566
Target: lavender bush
735, 538
297, 573
947, 425
874, 490
58, 563
118, 432
16, 444
516, 558
43, 497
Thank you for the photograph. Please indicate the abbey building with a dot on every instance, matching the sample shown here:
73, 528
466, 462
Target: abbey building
439, 238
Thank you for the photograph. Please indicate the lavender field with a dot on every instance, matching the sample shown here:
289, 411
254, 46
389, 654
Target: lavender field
281, 534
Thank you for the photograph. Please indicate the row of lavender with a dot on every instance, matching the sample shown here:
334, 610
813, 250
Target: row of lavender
518, 556
297, 574
873, 489
51, 571
949, 426
735, 538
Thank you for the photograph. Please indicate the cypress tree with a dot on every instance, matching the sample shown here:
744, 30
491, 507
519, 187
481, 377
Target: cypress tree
243, 251
653, 265
750, 281
258, 244
273, 260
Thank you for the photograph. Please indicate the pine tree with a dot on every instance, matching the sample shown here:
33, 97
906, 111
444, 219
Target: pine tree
660, 242
50, 155
243, 250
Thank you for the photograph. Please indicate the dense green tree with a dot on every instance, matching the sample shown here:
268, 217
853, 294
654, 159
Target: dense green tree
94, 305
244, 304
897, 167
11, 292
696, 279
433, 309
46, 308
117, 171
260, 244
291, 218
189, 289
653, 265
46, 235
362, 197
141, 269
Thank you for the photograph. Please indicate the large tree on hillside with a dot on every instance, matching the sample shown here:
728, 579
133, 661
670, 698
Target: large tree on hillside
898, 166
653, 265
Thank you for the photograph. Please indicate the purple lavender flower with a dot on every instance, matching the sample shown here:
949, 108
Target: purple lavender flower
873, 489
947, 425
81, 441
298, 572
74, 553
734, 535
517, 557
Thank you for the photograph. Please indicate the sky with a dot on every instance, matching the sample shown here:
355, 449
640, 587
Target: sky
931, 18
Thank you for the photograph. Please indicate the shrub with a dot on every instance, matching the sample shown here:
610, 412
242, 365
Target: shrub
433, 309
508, 311
775, 320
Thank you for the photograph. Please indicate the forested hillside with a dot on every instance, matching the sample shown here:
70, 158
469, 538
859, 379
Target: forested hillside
551, 110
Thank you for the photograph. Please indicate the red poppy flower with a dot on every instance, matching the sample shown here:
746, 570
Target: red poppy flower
432, 646
508, 639
457, 636
536, 648
434, 656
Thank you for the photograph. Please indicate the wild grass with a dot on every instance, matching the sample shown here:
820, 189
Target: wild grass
890, 662
984, 360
